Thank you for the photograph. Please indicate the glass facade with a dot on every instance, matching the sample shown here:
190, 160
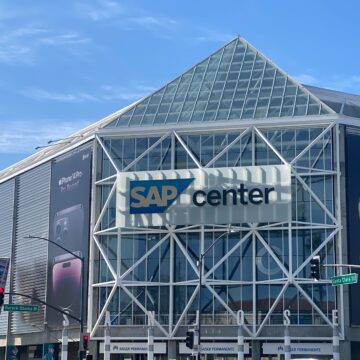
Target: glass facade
234, 83
247, 270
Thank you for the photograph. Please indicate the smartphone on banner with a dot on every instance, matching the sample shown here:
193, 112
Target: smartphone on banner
68, 226
66, 281
65, 269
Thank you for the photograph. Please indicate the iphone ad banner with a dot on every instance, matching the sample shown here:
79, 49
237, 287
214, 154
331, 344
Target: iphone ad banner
69, 227
353, 215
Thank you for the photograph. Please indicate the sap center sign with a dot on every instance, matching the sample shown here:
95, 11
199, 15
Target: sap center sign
204, 196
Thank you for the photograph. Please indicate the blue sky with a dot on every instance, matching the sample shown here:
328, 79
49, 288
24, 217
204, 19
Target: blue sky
66, 64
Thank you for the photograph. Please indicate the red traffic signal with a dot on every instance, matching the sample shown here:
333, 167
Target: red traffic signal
2, 294
85, 342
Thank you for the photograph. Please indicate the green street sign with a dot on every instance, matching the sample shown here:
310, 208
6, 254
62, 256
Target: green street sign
21, 308
344, 279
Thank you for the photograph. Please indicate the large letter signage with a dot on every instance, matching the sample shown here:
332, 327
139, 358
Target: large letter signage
204, 196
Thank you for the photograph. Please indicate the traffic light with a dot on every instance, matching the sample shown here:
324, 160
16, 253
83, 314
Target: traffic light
190, 339
85, 342
2, 294
315, 268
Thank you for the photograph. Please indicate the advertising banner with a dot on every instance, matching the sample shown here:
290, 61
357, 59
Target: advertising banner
4, 269
133, 348
215, 348
298, 349
69, 227
204, 196
353, 214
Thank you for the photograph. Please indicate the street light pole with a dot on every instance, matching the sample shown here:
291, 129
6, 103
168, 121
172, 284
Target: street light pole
81, 258
199, 265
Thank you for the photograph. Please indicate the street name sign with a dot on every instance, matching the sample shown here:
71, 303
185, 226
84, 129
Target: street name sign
21, 308
344, 279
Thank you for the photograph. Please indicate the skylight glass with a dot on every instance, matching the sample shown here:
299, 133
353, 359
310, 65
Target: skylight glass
235, 83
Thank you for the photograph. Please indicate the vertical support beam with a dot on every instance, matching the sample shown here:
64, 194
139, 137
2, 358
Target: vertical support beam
291, 266
173, 149
240, 320
287, 343
65, 339
11, 274
92, 270
335, 341
339, 244
287, 340
107, 337
171, 287
64, 343
254, 283
150, 353
253, 159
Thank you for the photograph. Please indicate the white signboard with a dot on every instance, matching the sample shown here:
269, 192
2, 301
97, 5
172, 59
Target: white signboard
204, 196
215, 348
133, 348
298, 349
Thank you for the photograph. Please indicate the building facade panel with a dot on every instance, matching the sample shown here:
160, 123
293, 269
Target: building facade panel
7, 193
30, 255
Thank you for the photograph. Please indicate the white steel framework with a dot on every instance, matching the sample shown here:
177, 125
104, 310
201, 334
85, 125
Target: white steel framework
290, 273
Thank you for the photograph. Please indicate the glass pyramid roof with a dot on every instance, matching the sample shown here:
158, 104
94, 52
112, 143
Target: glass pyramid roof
236, 82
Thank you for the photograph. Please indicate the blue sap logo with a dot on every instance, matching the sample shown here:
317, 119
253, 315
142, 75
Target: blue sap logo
155, 196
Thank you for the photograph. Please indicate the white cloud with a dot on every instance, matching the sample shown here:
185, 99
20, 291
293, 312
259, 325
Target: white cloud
12, 53
131, 93
20, 45
349, 84
149, 21
45, 95
134, 91
24, 136
216, 37
306, 79
70, 38
101, 9
129, 18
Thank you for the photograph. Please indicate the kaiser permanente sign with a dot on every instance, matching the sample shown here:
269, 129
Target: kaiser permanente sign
204, 196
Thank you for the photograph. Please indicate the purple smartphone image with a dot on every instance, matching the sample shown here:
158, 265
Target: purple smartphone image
64, 268
66, 271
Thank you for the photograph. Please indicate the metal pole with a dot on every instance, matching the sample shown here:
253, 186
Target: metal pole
287, 340
107, 337
82, 299
199, 307
199, 263
335, 341
240, 317
65, 338
336, 344
240, 343
150, 354
64, 345
287, 343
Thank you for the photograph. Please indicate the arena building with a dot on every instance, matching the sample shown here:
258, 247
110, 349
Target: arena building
228, 180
